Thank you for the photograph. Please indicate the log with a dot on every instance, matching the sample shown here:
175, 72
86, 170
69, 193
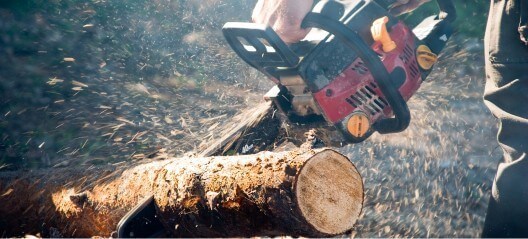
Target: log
298, 193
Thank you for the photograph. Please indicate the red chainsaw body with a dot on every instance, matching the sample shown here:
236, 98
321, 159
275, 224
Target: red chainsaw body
355, 88
358, 76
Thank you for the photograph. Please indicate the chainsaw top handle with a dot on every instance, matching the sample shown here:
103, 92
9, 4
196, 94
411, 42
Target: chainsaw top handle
261, 47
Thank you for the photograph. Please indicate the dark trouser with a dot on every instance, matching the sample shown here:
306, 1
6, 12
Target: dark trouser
506, 95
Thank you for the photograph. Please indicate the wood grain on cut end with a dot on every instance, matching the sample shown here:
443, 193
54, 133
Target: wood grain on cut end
329, 192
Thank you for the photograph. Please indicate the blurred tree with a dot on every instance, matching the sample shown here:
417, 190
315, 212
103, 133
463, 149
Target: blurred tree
471, 16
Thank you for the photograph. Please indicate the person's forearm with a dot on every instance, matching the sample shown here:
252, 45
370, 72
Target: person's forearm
285, 16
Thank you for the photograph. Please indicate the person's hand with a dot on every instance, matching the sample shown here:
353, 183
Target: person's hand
284, 16
404, 6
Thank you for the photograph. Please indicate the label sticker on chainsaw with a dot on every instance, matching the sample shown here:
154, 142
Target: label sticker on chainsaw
425, 57
358, 124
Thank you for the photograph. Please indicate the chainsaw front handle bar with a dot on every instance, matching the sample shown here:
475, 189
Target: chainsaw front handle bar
352, 40
249, 41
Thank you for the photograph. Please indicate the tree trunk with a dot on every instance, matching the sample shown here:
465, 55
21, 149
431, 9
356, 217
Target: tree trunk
309, 193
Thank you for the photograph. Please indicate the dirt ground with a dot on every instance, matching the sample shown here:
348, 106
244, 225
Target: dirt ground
432, 180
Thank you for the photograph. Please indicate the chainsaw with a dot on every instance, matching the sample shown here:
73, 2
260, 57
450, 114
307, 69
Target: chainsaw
358, 76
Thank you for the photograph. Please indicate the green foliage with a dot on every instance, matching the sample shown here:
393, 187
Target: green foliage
471, 16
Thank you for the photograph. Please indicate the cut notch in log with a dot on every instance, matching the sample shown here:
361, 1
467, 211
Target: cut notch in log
264, 128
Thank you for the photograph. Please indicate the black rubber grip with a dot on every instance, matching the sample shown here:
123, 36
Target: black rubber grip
259, 46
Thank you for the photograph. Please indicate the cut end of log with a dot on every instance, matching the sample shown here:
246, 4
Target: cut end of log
329, 192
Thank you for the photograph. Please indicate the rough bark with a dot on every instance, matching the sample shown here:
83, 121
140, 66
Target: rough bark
308, 193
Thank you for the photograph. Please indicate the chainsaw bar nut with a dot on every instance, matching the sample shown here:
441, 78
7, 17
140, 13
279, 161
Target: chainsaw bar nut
358, 124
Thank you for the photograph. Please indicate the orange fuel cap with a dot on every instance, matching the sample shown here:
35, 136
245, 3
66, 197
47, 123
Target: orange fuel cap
358, 124
380, 34
425, 57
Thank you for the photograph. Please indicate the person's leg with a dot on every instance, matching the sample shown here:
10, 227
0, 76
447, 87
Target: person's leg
507, 214
506, 95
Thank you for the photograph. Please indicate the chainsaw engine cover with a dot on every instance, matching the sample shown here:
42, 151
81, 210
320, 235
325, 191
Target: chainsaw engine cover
341, 83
